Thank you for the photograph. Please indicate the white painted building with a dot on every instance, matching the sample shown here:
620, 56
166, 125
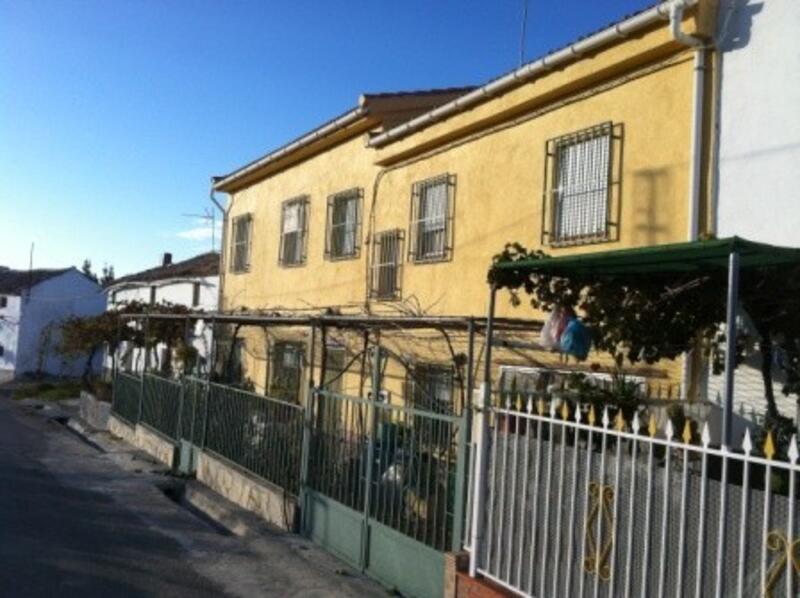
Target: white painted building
758, 158
193, 283
33, 303
759, 121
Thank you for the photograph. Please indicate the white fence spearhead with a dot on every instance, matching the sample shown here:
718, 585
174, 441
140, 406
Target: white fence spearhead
636, 424
706, 435
529, 405
553, 409
578, 413
606, 420
669, 431
793, 453
747, 443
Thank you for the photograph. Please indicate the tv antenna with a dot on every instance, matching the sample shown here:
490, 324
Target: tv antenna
523, 31
209, 217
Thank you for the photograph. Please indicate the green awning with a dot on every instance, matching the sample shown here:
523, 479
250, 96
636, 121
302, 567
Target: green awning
672, 258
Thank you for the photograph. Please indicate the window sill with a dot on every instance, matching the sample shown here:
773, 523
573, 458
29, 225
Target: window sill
577, 241
291, 266
432, 259
342, 258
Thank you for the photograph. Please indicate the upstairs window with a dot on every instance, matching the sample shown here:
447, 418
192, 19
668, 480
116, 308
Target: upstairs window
581, 182
152, 295
343, 229
195, 294
286, 371
3, 301
241, 241
432, 203
294, 227
385, 276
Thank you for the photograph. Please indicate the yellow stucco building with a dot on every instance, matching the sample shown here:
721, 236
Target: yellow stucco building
396, 207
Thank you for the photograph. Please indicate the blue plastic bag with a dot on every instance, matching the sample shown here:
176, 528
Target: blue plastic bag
576, 339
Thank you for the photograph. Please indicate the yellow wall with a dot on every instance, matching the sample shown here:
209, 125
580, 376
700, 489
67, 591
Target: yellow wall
497, 153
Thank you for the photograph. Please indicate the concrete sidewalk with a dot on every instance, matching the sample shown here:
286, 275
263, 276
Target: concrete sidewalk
92, 518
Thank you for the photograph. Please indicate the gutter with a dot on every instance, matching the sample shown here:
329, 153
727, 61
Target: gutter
345, 120
513, 79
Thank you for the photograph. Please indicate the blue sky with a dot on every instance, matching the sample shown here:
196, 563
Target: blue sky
114, 114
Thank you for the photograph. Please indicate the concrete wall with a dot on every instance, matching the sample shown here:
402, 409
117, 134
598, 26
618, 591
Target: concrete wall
9, 333
759, 138
264, 499
48, 304
144, 439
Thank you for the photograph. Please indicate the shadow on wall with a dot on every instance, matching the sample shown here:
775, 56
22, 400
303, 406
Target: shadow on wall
737, 23
649, 224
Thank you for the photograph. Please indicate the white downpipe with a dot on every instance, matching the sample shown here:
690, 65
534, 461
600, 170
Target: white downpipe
696, 146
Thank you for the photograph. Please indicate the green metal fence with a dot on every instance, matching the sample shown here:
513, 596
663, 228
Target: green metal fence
193, 414
125, 404
161, 405
412, 467
261, 434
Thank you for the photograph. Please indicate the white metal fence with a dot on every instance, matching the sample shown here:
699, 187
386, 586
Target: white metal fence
579, 503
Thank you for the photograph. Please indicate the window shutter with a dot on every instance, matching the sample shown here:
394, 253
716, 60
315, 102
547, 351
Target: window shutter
329, 225
359, 203
281, 245
451, 212
303, 228
413, 232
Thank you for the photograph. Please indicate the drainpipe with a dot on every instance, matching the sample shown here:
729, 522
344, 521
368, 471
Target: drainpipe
675, 22
222, 209
696, 145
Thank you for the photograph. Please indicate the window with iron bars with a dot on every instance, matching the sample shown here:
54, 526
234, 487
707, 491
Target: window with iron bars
431, 388
241, 228
386, 266
294, 232
579, 186
343, 228
286, 361
431, 229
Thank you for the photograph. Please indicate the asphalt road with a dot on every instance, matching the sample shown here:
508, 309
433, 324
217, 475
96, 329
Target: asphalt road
75, 523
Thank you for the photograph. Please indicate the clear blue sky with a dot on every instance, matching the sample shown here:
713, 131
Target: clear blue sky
114, 114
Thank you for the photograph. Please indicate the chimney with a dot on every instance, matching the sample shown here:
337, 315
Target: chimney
167, 259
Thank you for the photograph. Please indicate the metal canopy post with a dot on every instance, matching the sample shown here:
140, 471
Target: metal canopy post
482, 448
730, 346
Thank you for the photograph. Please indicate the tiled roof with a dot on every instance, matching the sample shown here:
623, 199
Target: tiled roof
13, 282
206, 264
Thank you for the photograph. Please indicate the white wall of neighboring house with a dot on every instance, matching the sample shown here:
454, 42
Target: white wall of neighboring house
9, 330
759, 152
759, 121
34, 329
174, 291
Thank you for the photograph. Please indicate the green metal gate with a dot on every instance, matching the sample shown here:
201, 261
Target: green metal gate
384, 488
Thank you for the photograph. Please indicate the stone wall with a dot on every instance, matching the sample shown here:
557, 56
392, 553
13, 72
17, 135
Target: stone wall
259, 496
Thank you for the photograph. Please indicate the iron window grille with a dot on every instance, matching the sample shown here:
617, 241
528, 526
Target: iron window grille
581, 197
294, 232
195, 294
430, 388
241, 241
286, 370
386, 267
152, 295
343, 225
431, 228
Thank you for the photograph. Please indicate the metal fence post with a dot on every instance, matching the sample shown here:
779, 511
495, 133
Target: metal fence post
144, 370
305, 449
371, 416
730, 346
209, 368
482, 448
460, 482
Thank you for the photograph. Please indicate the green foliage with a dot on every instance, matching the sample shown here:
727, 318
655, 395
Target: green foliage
654, 317
621, 394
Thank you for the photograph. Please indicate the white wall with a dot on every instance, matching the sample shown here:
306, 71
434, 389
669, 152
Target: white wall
178, 292
9, 330
759, 151
48, 304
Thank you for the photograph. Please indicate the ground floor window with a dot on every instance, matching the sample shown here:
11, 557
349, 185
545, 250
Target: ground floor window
286, 361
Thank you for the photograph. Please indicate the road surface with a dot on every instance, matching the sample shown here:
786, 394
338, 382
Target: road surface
74, 522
